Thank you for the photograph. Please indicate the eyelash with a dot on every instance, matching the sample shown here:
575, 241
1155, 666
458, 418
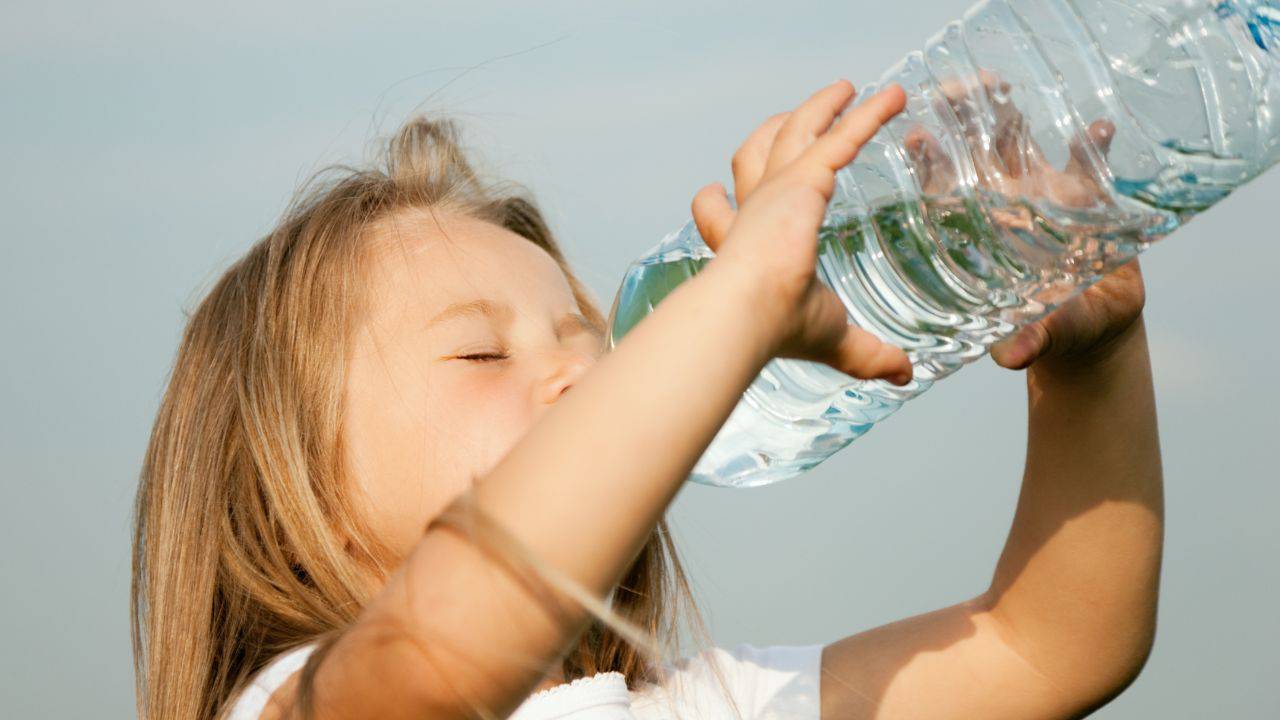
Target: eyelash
484, 357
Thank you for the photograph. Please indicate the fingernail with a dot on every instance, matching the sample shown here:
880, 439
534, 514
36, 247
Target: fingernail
900, 378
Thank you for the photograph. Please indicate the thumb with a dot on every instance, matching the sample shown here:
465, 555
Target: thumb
1022, 349
712, 214
866, 356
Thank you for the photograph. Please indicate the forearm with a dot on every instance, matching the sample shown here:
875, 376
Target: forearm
582, 491
1076, 586
623, 441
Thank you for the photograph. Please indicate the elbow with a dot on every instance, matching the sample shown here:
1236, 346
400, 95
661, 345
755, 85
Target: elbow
1114, 672
1118, 663
1090, 663
1128, 648
1108, 687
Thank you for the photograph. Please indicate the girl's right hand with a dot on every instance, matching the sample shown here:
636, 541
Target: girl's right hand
784, 176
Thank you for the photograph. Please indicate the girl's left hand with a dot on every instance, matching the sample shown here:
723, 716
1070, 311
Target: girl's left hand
1082, 329
1013, 164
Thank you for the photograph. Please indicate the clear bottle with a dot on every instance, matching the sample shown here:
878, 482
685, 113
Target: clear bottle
1044, 144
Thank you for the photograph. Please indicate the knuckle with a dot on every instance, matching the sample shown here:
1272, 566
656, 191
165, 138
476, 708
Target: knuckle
812, 175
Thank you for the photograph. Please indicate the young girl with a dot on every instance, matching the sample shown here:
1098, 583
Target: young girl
394, 476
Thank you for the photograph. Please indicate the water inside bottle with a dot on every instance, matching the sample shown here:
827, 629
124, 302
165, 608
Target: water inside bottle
944, 301
962, 273
945, 275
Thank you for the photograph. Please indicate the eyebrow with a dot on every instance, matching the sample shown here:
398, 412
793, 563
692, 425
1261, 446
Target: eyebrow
471, 308
480, 307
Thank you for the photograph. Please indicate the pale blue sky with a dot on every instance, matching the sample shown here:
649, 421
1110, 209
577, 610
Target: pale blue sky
143, 146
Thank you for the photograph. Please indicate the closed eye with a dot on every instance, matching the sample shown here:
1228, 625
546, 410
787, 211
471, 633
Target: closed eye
483, 357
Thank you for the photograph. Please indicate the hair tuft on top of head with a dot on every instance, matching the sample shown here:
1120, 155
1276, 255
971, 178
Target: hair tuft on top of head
427, 162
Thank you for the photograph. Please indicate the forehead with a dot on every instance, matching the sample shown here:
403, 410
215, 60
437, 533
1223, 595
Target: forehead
440, 257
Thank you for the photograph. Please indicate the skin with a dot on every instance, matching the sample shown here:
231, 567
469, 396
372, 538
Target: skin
438, 390
1066, 622
438, 380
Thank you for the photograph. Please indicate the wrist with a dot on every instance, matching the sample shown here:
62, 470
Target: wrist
738, 292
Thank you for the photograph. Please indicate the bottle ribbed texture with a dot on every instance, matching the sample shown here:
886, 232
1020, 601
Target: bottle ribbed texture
1044, 143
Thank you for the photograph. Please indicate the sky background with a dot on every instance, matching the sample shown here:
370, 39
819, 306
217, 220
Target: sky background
144, 146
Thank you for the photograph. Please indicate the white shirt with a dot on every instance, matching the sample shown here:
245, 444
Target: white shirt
766, 683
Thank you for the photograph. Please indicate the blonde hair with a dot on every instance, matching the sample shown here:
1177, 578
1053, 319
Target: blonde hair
241, 522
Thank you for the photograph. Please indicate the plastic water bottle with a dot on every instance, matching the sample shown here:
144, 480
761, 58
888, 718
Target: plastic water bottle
993, 197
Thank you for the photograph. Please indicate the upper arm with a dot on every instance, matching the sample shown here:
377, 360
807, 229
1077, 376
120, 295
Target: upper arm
377, 669
957, 662
361, 672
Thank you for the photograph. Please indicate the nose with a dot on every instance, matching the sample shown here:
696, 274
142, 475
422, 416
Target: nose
566, 370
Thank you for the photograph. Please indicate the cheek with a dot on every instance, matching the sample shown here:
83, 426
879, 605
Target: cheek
485, 416
415, 462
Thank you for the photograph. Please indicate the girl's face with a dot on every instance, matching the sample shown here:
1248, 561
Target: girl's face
472, 332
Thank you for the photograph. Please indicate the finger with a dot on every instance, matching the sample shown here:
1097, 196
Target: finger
916, 145
1023, 348
808, 121
712, 214
839, 147
977, 101
992, 81
956, 87
934, 169
1100, 133
866, 356
1011, 143
749, 161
